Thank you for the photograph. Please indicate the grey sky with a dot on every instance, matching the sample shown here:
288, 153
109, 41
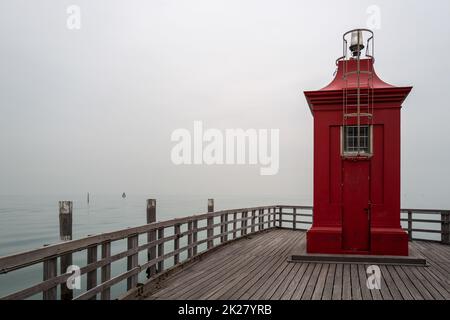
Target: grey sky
93, 109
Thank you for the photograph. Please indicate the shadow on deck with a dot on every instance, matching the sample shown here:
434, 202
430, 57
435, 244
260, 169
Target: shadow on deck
256, 267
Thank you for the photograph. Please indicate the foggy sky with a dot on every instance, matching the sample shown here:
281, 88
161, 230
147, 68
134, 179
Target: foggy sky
93, 109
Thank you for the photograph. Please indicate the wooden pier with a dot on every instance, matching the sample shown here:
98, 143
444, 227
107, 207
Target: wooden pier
256, 268
232, 254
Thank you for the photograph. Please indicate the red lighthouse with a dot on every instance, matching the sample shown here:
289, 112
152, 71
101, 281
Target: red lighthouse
357, 157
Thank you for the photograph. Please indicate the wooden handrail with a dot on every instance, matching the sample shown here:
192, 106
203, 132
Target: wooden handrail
49, 254
444, 221
233, 225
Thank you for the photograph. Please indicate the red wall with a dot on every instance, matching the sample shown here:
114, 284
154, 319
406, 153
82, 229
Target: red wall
384, 167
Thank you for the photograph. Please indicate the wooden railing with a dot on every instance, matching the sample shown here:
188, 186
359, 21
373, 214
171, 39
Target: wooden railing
219, 228
300, 218
200, 234
441, 220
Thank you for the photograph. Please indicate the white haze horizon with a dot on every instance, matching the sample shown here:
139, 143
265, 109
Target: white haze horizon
93, 110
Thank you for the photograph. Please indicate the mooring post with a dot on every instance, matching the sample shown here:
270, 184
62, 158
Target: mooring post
210, 222
210, 205
151, 236
65, 234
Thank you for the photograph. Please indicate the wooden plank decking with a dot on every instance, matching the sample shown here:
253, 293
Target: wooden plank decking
257, 267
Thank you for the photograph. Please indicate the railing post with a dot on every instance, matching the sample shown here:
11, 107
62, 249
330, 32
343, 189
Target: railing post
65, 234
151, 236
246, 223
253, 221
445, 227
234, 225
294, 219
242, 223
176, 244
210, 222
259, 219
160, 250
270, 218
209, 233
222, 228
274, 216
410, 237
269, 222
91, 275
132, 261
49, 273
189, 240
260, 225
262, 219
194, 237
280, 218
106, 270
225, 227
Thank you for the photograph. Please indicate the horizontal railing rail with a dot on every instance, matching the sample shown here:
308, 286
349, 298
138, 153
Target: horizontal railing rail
218, 229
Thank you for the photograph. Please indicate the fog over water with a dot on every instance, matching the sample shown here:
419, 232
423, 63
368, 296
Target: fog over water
93, 109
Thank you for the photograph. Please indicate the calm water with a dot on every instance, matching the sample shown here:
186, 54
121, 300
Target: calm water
28, 222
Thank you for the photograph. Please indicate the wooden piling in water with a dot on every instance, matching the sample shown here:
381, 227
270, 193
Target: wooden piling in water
210, 205
65, 234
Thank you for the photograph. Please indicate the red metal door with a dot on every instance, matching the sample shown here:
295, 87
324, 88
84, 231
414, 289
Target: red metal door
356, 210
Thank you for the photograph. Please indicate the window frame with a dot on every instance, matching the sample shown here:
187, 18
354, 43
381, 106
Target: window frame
352, 154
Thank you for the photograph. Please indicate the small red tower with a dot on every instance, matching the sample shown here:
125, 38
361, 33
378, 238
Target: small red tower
357, 157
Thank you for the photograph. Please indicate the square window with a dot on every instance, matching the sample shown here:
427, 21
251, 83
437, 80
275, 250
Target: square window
356, 139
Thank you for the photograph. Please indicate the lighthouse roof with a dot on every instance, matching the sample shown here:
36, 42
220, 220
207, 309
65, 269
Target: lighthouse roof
346, 80
347, 77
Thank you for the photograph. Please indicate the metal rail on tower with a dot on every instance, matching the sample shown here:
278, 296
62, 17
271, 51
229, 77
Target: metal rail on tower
358, 82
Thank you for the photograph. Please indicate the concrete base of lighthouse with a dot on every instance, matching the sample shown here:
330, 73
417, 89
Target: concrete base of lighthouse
383, 241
